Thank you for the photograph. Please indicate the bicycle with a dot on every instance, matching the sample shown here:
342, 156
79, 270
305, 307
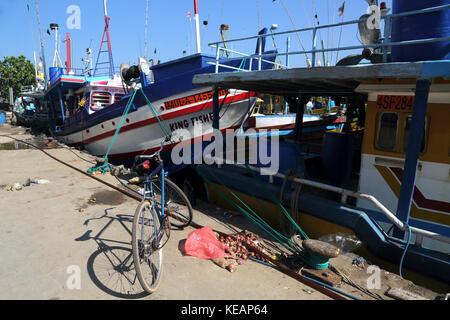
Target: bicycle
161, 199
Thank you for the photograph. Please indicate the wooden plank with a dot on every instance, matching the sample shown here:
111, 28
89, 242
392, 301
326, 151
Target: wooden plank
325, 276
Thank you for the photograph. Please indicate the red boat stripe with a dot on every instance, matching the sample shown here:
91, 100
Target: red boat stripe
167, 116
420, 199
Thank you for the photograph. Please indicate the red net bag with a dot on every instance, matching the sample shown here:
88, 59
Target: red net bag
203, 244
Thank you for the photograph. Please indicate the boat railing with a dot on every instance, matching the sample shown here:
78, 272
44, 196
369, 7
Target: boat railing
219, 50
384, 45
83, 72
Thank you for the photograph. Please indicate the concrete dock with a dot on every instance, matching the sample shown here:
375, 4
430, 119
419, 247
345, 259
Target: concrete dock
72, 223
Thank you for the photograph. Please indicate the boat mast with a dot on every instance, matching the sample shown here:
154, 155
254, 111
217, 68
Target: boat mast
146, 31
42, 45
34, 50
108, 50
68, 42
197, 26
56, 58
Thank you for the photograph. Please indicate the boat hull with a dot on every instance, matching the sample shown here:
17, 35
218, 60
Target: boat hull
320, 217
142, 132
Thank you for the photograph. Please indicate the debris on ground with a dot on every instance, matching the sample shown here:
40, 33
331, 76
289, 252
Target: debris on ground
308, 291
41, 181
359, 262
239, 244
17, 186
28, 182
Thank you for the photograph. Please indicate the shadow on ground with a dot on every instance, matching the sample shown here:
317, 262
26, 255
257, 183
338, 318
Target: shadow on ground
111, 266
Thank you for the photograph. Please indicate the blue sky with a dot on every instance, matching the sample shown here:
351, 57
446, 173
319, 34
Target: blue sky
169, 29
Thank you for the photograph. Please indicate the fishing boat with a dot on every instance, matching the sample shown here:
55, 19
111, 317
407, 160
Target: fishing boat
163, 103
387, 184
271, 112
24, 109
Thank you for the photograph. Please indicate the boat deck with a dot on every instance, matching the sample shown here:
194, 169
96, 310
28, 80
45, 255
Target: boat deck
322, 80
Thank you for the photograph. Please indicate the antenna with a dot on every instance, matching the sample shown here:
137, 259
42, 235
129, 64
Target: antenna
108, 50
88, 62
56, 58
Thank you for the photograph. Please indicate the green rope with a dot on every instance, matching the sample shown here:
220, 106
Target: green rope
254, 218
162, 123
275, 200
104, 167
242, 64
310, 259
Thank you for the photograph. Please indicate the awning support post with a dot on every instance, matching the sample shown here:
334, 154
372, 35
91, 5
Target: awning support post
413, 151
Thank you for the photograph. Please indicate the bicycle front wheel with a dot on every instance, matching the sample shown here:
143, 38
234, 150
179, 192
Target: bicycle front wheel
147, 250
176, 204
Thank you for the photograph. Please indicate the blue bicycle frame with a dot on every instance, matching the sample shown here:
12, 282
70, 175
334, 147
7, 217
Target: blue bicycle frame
157, 213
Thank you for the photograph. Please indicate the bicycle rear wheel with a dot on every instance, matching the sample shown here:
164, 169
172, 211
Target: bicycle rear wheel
177, 205
147, 251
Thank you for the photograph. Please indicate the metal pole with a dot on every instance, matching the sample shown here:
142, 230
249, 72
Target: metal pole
259, 53
216, 108
197, 26
217, 58
146, 31
288, 47
69, 57
314, 47
387, 38
413, 151
62, 105
300, 110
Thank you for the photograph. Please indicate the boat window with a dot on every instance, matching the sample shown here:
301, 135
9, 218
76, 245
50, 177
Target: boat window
408, 122
387, 131
100, 100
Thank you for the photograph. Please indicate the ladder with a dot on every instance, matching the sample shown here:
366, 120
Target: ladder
108, 51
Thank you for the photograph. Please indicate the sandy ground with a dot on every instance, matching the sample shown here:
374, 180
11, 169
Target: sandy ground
46, 241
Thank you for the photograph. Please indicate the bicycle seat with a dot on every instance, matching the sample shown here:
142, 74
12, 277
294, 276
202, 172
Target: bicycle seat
146, 167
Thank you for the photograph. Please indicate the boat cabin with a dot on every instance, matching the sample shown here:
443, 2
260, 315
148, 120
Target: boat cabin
387, 130
94, 96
